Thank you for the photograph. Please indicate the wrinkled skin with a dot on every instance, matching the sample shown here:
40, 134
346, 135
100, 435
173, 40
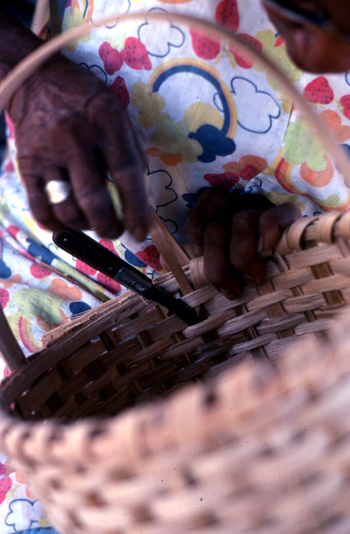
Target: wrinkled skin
69, 126
231, 230
311, 48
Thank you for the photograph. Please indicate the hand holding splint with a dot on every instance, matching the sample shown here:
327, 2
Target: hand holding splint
230, 230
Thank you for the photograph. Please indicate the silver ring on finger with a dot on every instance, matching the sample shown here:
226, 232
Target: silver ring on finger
58, 191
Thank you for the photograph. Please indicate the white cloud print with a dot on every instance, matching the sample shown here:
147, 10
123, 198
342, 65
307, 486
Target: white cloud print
104, 8
159, 41
160, 191
163, 197
256, 109
23, 514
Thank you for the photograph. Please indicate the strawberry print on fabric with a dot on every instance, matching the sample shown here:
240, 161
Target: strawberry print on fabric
345, 102
5, 486
247, 167
319, 91
227, 14
244, 59
205, 46
133, 260
4, 297
85, 268
107, 243
110, 284
135, 54
224, 181
111, 57
119, 88
150, 256
38, 271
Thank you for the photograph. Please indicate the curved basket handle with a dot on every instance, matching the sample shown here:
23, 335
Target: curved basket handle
175, 258
29, 65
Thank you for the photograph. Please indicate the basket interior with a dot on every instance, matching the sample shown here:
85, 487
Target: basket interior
127, 351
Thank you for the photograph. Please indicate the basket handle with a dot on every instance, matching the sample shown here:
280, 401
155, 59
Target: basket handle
29, 65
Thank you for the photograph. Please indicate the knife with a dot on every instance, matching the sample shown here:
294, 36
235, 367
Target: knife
100, 258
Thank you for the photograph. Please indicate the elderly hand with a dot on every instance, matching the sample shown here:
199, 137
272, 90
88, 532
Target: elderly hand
71, 128
231, 230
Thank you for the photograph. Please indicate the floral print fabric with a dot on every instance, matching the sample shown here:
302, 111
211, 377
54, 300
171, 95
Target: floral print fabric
207, 116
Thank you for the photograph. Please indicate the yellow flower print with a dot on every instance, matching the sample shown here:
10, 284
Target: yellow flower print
281, 198
301, 145
151, 105
276, 50
74, 17
199, 114
172, 137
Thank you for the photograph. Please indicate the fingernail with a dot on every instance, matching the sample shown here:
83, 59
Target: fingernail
261, 243
198, 250
139, 233
228, 294
251, 282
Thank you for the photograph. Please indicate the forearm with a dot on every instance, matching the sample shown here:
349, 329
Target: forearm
16, 42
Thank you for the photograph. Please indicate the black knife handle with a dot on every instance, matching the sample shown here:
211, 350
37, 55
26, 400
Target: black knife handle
100, 258
133, 279
89, 251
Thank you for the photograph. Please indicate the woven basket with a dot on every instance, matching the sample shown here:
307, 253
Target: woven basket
258, 444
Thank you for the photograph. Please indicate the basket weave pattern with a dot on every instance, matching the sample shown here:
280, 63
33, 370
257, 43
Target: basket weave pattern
262, 448
257, 447
129, 351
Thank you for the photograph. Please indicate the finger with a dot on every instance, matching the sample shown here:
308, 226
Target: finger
243, 246
68, 211
217, 266
274, 221
126, 165
91, 194
253, 201
211, 205
38, 202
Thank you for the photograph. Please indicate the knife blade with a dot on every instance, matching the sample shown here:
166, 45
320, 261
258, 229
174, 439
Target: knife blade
84, 248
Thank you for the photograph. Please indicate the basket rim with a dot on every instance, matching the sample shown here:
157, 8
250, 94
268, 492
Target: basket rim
196, 412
